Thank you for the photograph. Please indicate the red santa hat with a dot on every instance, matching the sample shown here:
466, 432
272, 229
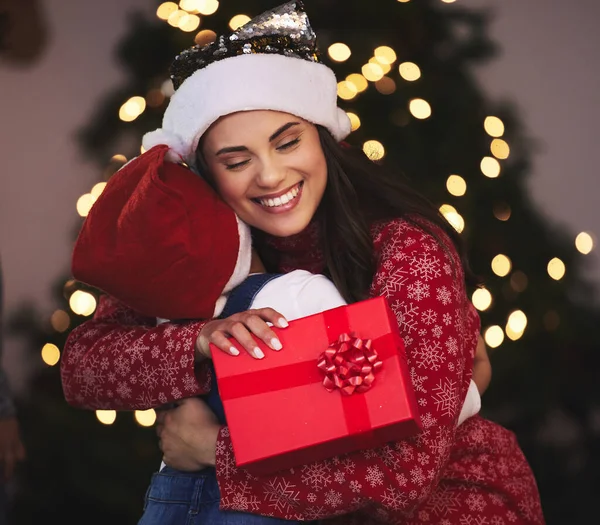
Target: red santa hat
162, 241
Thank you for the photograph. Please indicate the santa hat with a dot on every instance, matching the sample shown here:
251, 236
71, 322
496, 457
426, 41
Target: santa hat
162, 241
270, 63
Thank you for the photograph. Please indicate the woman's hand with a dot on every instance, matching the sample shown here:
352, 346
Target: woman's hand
240, 326
188, 435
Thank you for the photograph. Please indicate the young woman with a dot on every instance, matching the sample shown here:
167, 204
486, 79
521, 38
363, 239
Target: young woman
255, 113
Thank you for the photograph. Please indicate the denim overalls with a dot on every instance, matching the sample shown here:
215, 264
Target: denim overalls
175, 497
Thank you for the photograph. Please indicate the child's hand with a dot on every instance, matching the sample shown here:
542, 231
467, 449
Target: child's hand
240, 326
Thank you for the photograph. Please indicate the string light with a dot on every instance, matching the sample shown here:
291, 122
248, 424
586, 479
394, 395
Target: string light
98, 189
385, 67
456, 185
385, 86
493, 126
346, 90
132, 109
82, 303
206, 7
119, 158
372, 71
359, 81
165, 10
409, 71
204, 37
175, 17
354, 120
374, 149
516, 324
189, 22
453, 217
501, 265
60, 321
494, 336
584, 243
238, 21
419, 108
404, 1
500, 149
556, 269
385, 55
502, 211
339, 52
84, 204
145, 418
106, 417
191, 6
481, 299
490, 167
50, 354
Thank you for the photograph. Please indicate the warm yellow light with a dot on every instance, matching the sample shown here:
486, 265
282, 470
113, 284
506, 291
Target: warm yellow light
453, 217
82, 303
142, 149
165, 9
511, 334
354, 120
346, 90
501, 265
404, 1
85, 203
106, 417
50, 354
456, 185
372, 71
494, 336
500, 149
490, 167
359, 81
448, 1
584, 242
119, 158
204, 37
481, 299
207, 7
385, 86
145, 418
409, 71
175, 17
238, 21
132, 109
385, 55
190, 6
493, 126
374, 149
98, 189
420, 108
502, 211
556, 269
385, 67
339, 52
189, 23
517, 321
60, 321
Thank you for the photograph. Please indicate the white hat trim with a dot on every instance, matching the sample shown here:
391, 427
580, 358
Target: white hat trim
245, 83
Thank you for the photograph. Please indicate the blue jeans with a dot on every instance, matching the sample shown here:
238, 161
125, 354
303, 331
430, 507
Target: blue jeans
192, 498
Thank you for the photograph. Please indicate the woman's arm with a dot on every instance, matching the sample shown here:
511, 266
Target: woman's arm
121, 360
424, 285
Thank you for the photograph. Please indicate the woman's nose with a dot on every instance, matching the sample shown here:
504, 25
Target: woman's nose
270, 175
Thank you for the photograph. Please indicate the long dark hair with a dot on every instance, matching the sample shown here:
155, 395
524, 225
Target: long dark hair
358, 193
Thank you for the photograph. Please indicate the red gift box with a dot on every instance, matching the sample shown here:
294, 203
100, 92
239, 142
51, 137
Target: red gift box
280, 410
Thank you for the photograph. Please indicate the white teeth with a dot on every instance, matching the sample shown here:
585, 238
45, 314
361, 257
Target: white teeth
281, 201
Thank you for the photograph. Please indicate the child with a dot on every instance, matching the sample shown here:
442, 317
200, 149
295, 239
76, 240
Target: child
193, 261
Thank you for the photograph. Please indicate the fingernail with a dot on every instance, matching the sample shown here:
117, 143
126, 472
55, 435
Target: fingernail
258, 353
234, 351
283, 323
276, 344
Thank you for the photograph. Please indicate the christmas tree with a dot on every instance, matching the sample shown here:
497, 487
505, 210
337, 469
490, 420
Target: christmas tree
406, 78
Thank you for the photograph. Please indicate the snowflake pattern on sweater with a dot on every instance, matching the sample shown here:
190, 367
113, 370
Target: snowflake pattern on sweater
473, 475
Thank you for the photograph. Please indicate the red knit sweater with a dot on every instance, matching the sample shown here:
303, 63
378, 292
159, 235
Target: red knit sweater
473, 475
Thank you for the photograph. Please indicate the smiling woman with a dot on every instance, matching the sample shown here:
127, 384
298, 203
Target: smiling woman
275, 176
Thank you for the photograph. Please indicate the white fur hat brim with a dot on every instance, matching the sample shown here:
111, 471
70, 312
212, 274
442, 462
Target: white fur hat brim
245, 83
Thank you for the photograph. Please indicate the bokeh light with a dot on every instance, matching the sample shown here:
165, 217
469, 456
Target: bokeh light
339, 52
106, 417
409, 71
145, 418
456, 185
82, 303
501, 265
556, 269
50, 354
481, 299
494, 336
493, 126
419, 108
584, 242
238, 21
374, 149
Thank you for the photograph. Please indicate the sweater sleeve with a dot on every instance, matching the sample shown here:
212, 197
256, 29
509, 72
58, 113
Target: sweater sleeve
121, 360
422, 279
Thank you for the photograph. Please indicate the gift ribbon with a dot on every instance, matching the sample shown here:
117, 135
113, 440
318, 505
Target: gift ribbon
350, 365
355, 408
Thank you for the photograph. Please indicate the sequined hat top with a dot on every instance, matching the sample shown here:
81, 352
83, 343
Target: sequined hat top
284, 30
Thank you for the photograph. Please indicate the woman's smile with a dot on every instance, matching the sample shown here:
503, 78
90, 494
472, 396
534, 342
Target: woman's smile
281, 202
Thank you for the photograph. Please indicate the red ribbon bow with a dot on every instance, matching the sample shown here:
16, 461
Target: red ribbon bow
349, 364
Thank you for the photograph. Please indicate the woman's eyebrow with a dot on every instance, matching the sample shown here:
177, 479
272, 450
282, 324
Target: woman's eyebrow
232, 149
283, 129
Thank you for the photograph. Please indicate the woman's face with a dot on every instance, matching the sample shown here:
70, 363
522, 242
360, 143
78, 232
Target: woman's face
269, 167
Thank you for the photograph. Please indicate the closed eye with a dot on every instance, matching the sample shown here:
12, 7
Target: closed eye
289, 144
237, 165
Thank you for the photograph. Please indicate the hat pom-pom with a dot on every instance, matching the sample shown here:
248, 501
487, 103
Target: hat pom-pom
177, 149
